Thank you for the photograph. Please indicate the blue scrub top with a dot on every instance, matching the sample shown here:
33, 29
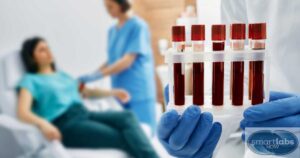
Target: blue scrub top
133, 38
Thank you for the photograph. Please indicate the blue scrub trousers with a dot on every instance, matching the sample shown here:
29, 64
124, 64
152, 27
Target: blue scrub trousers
144, 111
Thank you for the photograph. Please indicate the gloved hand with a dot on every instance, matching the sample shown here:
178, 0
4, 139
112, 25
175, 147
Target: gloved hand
192, 135
283, 110
97, 75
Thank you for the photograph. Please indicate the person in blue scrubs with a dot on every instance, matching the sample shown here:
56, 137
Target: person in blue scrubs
130, 61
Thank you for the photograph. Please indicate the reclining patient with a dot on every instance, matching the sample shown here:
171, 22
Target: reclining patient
50, 100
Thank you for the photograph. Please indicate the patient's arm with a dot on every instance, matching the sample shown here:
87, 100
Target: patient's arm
103, 66
120, 94
25, 114
121, 65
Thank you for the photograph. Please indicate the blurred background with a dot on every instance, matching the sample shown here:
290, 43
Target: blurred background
77, 32
77, 29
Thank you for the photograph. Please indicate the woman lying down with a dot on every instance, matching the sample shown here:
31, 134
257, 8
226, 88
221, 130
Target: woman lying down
50, 100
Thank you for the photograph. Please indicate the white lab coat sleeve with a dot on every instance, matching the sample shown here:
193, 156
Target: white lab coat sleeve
259, 11
234, 11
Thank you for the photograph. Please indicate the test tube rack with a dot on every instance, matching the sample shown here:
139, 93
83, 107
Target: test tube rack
208, 57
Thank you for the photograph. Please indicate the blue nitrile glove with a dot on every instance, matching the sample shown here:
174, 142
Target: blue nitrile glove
97, 75
283, 110
192, 135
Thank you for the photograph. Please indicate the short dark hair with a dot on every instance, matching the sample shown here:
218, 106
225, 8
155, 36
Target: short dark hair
27, 51
124, 4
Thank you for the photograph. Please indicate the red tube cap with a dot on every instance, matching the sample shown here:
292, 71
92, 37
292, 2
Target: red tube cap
259, 31
250, 31
218, 32
238, 31
198, 32
178, 33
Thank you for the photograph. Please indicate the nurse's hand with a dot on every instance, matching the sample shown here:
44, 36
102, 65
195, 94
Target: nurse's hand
283, 110
192, 135
97, 75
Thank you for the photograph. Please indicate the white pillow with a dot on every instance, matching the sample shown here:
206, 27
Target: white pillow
13, 69
28, 139
8, 103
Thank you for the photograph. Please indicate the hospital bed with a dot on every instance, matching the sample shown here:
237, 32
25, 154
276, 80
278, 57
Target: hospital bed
22, 140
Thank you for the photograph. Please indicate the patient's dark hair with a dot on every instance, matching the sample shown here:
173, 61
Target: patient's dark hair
27, 51
125, 5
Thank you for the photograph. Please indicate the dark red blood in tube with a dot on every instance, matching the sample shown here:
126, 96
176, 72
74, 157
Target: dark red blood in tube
237, 83
250, 78
218, 38
258, 35
258, 82
250, 63
179, 87
218, 78
178, 38
198, 83
198, 34
238, 35
219, 46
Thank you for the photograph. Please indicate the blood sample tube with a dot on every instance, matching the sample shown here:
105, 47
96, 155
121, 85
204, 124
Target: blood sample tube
259, 35
237, 43
198, 37
218, 44
250, 64
178, 38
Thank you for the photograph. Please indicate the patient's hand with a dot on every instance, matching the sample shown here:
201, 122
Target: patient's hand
50, 131
25, 114
122, 95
